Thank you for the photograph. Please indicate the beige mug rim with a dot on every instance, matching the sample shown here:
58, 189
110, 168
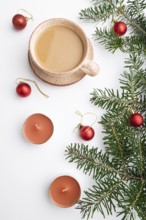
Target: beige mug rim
58, 73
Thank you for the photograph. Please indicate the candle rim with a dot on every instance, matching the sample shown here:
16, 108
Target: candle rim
67, 205
26, 120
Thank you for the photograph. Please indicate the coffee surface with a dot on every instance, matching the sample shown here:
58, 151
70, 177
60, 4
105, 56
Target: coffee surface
59, 49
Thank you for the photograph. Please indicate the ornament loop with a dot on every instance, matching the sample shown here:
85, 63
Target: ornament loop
86, 113
82, 117
80, 114
25, 13
20, 80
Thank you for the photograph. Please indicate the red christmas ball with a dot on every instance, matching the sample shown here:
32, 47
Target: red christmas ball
136, 120
120, 28
23, 89
19, 21
86, 133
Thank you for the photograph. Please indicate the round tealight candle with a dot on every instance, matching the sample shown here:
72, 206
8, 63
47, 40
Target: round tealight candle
64, 191
38, 128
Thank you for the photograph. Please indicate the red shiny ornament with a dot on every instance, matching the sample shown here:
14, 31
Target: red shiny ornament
23, 89
19, 21
86, 133
136, 120
120, 28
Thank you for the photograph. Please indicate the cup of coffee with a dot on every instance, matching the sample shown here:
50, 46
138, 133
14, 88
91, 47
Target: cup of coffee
60, 52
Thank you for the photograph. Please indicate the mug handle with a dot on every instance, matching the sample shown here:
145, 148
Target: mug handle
90, 68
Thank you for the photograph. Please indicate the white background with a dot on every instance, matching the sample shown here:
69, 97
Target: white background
26, 170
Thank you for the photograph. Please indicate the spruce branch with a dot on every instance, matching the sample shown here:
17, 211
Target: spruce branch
130, 11
109, 100
134, 44
99, 197
96, 163
127, 44
134, 23
124, 158
130, 208
113, 183
120, 171
136, 7
133, 79
117, 143
99, 13
132, 88
140, 156
91, 160
108, 39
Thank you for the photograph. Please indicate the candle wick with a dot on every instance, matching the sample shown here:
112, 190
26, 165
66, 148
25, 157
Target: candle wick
36, 125
64, 190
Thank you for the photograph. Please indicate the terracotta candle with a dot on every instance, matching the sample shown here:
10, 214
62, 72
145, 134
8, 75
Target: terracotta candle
64, 191
38, 128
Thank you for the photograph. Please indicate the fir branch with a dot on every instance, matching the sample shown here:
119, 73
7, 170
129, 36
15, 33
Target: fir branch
136, 159
108, 39
114, 3
111, 118
141, 107
134, 77
109, 100
136, 7
126, 44
91, 160
134, 23
132, 87
131, 44
133, 199
97, 13
115, 142
95, 162
131, 83
110, 186
119, 172
102, 196
116, 138
133, 15
134, 62
140, 157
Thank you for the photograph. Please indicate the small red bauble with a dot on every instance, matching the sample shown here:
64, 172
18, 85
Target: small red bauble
19, 21
23, 89
136, 120
120, 28
86, 133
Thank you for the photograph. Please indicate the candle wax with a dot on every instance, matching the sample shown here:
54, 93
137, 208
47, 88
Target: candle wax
38, 128
64, 191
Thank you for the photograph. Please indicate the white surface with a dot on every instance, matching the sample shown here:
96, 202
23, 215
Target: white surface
27, 170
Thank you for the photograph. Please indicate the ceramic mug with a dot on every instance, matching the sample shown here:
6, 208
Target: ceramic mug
60, 52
